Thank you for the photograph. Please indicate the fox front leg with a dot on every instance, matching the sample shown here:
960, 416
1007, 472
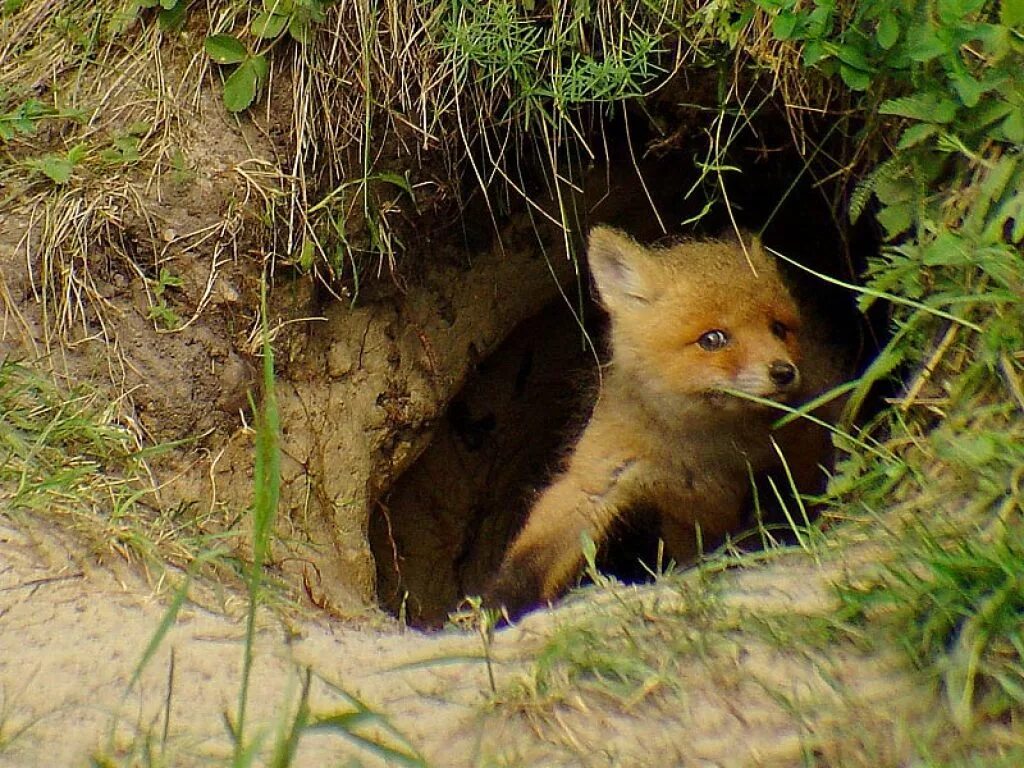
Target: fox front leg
547, 556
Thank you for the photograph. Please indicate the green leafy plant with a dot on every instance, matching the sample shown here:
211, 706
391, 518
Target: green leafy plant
292, 17
124, 148
57, 167
24, 119
943, 80
965, 46
160, 311
244, 82
278, 19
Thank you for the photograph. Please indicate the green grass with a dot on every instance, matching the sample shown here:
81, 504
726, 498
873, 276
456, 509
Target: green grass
623, 650
488, 88
266, 492
957, 611
65, 457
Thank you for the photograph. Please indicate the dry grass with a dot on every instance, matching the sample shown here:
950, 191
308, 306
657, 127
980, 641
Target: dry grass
65, 456
392, 111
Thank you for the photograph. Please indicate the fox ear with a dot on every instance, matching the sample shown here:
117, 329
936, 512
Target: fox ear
621, 269
759, 256
755, 244
752, 245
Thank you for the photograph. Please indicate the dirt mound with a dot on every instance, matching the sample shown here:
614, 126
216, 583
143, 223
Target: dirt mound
726, 693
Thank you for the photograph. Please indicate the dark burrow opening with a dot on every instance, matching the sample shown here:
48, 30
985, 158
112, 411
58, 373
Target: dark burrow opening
441, 531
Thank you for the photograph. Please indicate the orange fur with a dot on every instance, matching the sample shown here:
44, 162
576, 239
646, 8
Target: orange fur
663, 434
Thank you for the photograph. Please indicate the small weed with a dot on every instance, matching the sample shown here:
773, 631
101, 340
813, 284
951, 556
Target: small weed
242, 85
483, 621
160, 311
279, 19
58, 168
24, 120
181, 171
124, 149
378, 195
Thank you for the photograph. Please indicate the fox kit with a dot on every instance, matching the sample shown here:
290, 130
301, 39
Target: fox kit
688, 323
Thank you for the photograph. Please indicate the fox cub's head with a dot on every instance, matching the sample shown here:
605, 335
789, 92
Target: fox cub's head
699, 318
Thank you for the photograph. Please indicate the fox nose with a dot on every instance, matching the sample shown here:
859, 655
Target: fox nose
783, 374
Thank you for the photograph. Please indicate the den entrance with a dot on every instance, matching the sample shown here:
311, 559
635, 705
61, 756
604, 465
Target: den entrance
441, 530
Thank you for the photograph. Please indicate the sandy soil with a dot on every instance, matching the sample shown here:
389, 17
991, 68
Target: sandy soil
72, 633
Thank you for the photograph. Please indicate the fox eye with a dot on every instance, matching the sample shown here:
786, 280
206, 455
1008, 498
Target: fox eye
714, 340
780, 330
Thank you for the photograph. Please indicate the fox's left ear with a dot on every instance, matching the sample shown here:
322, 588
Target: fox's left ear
622, 269
755, 249
752, 242
756, 245
731, 234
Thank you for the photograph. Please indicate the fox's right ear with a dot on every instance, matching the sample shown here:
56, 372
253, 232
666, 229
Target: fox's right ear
621, 269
